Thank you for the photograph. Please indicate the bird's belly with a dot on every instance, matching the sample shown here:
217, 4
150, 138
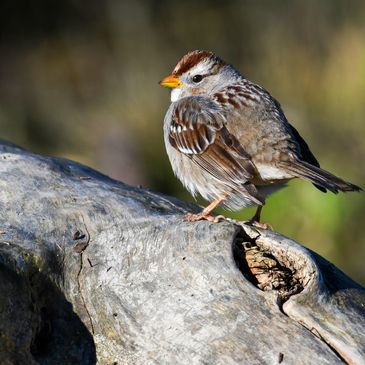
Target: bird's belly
197, 180
269, 173
270, 179
266, 190
194, 178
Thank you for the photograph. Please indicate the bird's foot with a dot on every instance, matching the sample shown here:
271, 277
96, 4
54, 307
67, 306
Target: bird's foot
257, 224
190, 217
265, 226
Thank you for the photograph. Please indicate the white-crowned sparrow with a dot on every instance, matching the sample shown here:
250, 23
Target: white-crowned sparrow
229, 140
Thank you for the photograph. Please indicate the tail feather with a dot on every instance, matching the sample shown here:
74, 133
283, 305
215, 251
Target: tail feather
319, 177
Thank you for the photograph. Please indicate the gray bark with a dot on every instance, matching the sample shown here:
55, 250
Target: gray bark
93, 270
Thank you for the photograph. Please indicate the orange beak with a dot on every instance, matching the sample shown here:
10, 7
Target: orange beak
171, 81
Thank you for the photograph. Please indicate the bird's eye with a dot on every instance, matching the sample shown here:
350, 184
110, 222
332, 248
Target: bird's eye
197, 78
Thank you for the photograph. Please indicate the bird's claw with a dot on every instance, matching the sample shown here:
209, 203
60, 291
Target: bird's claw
219, 218
257, 224
190, 217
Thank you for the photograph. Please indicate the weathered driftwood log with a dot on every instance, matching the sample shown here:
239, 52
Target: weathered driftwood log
93, 270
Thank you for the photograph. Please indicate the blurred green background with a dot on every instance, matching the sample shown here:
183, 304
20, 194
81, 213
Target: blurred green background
79, 79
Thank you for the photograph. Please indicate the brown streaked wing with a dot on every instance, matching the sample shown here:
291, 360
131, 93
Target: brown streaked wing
198, 130
190, 140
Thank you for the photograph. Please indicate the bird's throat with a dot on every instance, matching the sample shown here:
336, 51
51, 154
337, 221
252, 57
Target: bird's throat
175, 94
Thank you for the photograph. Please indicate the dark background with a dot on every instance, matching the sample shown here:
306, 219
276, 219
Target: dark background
79, 80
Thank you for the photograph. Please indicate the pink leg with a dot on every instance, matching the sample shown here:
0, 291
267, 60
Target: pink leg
205, 213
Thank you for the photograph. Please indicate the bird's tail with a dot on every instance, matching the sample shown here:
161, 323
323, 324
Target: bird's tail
322, 179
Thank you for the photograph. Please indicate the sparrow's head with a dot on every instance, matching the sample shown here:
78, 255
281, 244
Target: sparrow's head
199, 73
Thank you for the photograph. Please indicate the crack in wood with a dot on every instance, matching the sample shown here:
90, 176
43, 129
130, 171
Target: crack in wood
264, 270
86, 243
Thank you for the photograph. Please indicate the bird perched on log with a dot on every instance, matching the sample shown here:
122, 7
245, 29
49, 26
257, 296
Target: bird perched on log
229, 140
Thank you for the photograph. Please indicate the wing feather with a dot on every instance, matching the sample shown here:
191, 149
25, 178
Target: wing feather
198, 130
